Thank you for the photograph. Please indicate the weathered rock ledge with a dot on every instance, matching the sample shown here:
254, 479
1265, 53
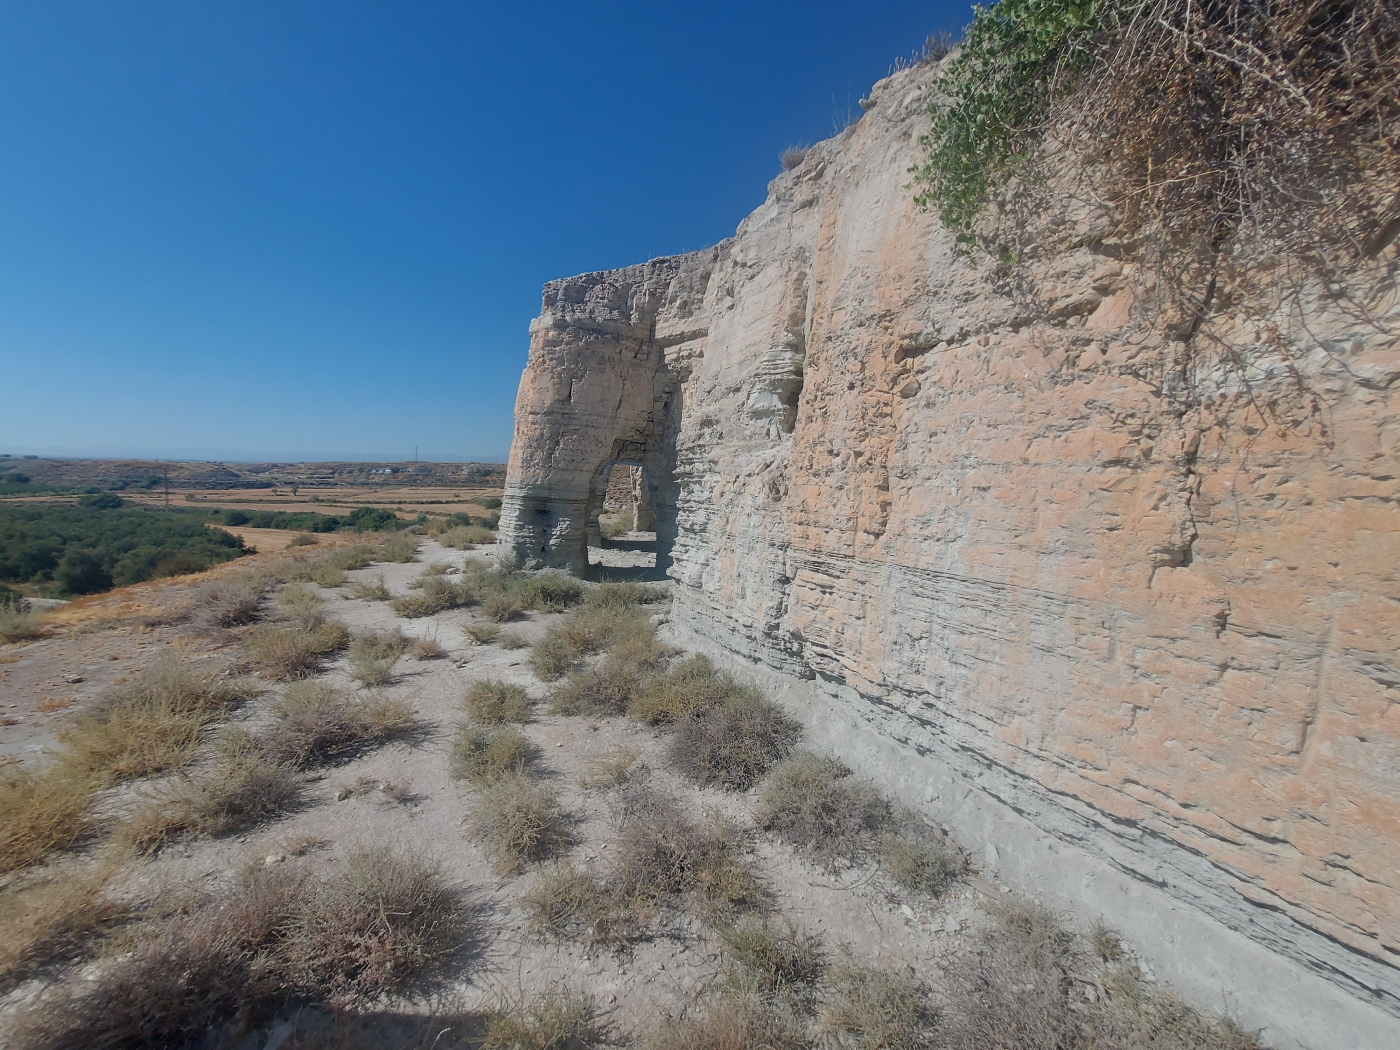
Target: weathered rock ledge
1122, 612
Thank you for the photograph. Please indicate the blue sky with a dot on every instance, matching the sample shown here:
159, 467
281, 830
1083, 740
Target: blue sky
304, 230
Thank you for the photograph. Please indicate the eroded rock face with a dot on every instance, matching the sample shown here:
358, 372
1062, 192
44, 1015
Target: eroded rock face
1142, 592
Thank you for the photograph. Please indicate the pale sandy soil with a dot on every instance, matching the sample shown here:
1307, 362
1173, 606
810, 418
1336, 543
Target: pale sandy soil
859, 907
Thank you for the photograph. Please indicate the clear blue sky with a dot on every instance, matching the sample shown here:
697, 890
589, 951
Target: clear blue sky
297, 229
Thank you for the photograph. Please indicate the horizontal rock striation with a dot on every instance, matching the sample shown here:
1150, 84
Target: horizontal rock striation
1139, 591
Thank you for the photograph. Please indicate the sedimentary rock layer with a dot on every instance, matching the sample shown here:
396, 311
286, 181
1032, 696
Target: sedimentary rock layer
1138, 589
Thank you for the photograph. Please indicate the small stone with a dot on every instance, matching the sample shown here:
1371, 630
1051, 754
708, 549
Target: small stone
908, 911
273, 858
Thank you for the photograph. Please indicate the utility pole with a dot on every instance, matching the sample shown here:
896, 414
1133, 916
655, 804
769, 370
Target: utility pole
167, 486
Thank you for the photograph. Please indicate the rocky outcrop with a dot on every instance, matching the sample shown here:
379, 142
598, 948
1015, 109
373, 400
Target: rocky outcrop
1134, 596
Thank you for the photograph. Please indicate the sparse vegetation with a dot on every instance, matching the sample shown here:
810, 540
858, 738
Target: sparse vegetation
813, 803
608, 688
426, 649
691, 685
484, 754
611, 526
400, 547
303, 539
510, 640
619, 764
432, 594
520, 821
465, 537
773, 958
793, 156
482, 632
318, 723
555, 1020
871, 1008
735, 742
19, 625
371, 592
915, 861
584, 632
373, 655
493, 702
285, 651
732, 1022
230, 601
243, 789
54, 919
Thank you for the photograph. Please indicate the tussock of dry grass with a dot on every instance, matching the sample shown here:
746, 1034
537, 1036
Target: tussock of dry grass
555, 1020
151, 725
916, 862
617, 765
502, 608
583, 633
427, 649
622, 595
301, 603
693, 684
54, 920
520, 821
400, 547
773, 958
433, 593
385, 923
485, 754
482, 632
608, 688
231, 600
813, 803
734, 743
465, 537
318, 723
731, 1022
19, 626
284, 651
494, 702
371, 592
664, 860
870, 1008
243, 789
41, 812
372, 656
511, 641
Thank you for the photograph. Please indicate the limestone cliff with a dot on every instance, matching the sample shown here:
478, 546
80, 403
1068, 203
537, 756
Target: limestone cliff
1139, 597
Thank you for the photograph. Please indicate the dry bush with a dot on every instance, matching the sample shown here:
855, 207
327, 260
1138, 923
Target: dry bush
481, 632
284, 651
663, 854
182, 975
18, 625
41, 812
575, 905
734, 743
584, 632
813, 803
372, 656
384, 924
401, 547
371, 592
502, 608
870, 1008
732, 1022
243, 789
773, 959
690, 686
608, 688
432, 595
512, 641
611, 526
385, 919
152, 724
465, 537
917, 862
548, 591
623, 595
317, 723
325, 574
520, 821
427, 649
793, 156
494, 702
296, 601
55, 919
230, 601
484, 755
617, 765
553, 1020
302, 539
